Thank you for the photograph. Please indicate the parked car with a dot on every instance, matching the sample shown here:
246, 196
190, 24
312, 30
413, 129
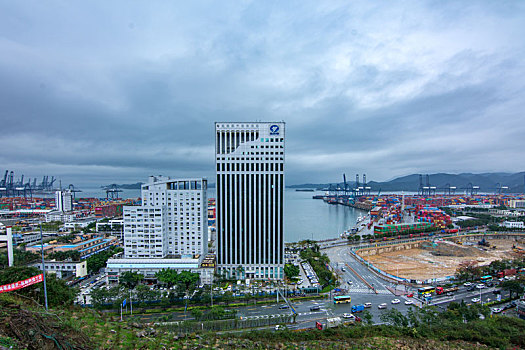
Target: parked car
409, 302
396, 301
349, 316
467, 284
381, 306
411, 295
496, 310
476, 300
367, 305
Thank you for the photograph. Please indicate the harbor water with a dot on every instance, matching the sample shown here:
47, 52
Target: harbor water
305, 218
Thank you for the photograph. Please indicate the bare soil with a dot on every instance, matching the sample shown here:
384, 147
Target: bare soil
441, 258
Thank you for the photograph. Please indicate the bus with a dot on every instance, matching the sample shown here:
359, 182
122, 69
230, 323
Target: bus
342, 299
423, 292
486, 278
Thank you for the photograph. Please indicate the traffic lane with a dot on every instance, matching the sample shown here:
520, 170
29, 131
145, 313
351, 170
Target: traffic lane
375, 299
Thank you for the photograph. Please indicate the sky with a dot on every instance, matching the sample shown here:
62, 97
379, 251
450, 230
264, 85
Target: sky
99, 92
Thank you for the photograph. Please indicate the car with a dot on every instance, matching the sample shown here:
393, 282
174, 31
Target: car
315, 308
367, 305
285, 306
496, 291
467, 284
411, 295
381, 306
480, 286
496, 310
409, 302
471, 288
280, 327
396, 301
350, 282
349, 316
476, 300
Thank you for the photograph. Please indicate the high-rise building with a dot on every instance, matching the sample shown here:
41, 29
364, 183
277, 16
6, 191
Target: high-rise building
171, 222
64, 200
250, 199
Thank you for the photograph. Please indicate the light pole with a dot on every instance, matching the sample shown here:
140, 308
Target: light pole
43, 264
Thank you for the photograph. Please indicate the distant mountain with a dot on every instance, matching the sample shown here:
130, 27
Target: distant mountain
487, 182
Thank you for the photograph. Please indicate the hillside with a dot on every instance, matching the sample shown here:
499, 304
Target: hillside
487, 182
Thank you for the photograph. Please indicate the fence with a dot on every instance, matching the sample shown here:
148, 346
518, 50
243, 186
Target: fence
225, 325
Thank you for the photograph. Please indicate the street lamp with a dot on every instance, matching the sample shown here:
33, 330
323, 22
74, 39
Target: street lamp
43, 264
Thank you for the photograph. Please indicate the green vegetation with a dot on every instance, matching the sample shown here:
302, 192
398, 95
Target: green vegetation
459, 327
74, 255
21, 258
98, 261
469, 270
57, 290
291, 271
131, 279
52, 226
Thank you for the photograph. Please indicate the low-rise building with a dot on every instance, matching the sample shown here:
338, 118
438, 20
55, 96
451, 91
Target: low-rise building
64, 269
86, 248
513, 224
149, 267
26, 237
81, 223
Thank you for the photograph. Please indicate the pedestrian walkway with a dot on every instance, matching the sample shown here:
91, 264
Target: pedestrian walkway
368, 291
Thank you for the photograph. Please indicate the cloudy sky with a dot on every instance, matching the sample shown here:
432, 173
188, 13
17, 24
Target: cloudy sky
103, 92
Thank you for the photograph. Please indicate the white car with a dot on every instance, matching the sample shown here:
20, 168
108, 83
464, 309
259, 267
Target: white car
409, 302
467, 284
381, 306
476, 300
396, 301
350, 316
497, 310
368, 305
480, 286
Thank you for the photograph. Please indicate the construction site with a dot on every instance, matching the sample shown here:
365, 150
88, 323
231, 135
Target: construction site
434, 259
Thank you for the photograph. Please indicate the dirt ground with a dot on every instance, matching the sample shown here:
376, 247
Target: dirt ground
441, 259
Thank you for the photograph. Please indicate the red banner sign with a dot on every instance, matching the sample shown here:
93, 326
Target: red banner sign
21, 284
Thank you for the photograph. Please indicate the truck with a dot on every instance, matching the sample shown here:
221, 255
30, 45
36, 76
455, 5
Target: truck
441, 290
357, 308
506, 272
329, 323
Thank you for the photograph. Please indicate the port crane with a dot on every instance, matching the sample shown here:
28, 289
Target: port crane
471, 189
426, 189
112, 192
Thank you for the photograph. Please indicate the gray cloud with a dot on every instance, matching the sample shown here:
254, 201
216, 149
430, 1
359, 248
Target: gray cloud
112, 92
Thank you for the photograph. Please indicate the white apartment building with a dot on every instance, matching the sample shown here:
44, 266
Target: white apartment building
171, 222
250, 199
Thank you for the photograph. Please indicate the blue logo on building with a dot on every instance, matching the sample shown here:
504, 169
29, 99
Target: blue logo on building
274, 130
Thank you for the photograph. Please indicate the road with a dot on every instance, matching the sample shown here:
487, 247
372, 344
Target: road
340, 257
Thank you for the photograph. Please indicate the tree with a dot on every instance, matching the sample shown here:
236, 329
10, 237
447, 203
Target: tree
131, 279
515, 286
395, 317
468, 270
58, 292
167, 276
367, 317
187, 280
240, 271
291, 270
